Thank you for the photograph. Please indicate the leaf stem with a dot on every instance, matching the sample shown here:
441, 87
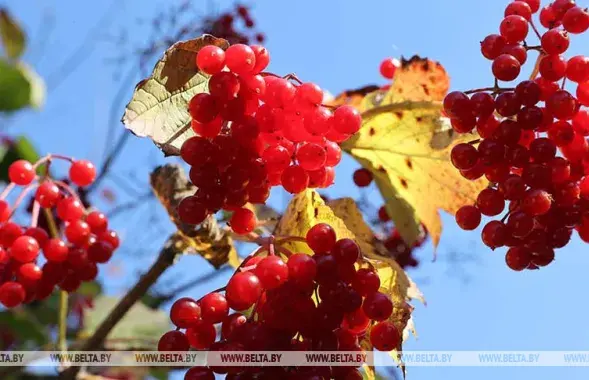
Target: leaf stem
494, 90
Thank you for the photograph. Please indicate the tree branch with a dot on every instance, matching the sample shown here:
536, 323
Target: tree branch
164, 260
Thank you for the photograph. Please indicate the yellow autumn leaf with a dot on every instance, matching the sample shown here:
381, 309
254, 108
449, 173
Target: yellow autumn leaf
406, 142
170, 185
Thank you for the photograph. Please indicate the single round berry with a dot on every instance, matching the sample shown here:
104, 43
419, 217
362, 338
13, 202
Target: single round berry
311, 156
346, 251
347, 120
492, 46
24, 249
576, 20
384, 336
55, 250
47, 194
199, 373
77, 232
97, 221
366, 281
321, 238
201, 335
214, 308
70, 209
21, 172
464, 156
578, 69
240, 59
301, 268
506, 67
362, 177
388, 67
468, 217
192, 211
173, 341
12, 294
294, 179
100, 252
514, 28
272, 272
82, 172
210, 59
262, 58
185, 312
377, 306
243, 221
518, 258
555, 41
243, 290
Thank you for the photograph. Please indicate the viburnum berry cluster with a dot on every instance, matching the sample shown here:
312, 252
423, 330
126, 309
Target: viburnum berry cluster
224, 26
533, 144
256, 130
325, 302
71, 250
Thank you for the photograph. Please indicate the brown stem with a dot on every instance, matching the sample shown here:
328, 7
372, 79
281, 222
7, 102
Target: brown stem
163, 262
495, 90
535, 29
536, 69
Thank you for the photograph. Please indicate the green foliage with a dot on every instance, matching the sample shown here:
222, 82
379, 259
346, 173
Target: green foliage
12, 36
20, 148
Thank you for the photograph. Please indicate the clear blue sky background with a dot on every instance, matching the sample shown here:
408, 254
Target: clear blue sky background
474, 301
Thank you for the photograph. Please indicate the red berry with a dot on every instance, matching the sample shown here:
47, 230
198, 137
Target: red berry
388, 67
201, 335
494, 234
24, 249
9, 232
203, 108
294, 179
240, 59
321, 238
548, 17
47, 194
77, 232
214, 308
346, 251
210, 59
576, 20
468, 217
173, 341
243, 290
100, 252
243, 221
464, 156
536, 202
578, 69
262, 58
82, 172
29, 275
199, 373
55, 250
272, 272
311, 156
377, 306
70, 209
553, 67
110, 237
362, 177
347, 120
38, 234
97, 221
185, 312
12, 294
518, 258
384, 336
490, 202
21, 172
366, 281
519, 8
562, 105
492, 46
301, 268
506, 67
555, 41
192, 211
514, 28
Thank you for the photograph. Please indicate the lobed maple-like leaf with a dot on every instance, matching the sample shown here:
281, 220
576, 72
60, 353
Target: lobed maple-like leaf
406, 142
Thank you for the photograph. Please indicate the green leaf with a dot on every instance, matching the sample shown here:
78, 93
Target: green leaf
23, 326
20, 87
160, 373
12, 36
19, 149
159, 107
139, 329
90, 289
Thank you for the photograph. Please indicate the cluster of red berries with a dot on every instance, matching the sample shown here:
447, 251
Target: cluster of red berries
533, 147
25, 275
256, 131
285, 316
223, 26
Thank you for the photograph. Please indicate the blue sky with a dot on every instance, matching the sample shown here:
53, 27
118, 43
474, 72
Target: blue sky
339, 45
